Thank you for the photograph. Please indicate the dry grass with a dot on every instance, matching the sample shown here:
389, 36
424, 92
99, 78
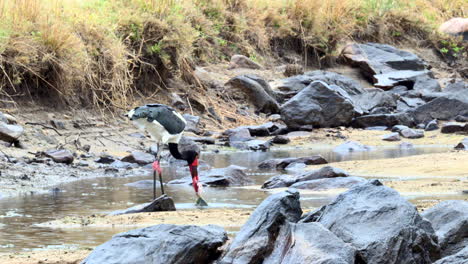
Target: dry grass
103, 52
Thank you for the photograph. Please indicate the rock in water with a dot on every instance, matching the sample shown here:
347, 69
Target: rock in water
168, 244
329, 183
281, 164
382, 225
139, 157
310, 243
318, 105
450, 221
10, 133
60, 156
162, 203
351, 146
279, 181
222, 177
257, 238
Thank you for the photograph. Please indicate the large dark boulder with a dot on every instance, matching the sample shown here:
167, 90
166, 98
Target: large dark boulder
279, 181
162, 203
329, 183
257, 91
171, 244
388, 120
282, 163
256, 239
319, 105
369, 101
60, 155
222, 177
289, 87
381, 224
310, 243
459, 258
445, 107
450, 221
374, 59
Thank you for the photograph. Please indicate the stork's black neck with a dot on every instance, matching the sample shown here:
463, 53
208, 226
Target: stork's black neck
174, 149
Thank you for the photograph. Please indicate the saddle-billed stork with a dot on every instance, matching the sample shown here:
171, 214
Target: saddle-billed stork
166, 126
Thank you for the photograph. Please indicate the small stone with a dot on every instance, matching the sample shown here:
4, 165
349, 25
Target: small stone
139, 157
281, 140
398, 128
392, 137
431, 126
411, 133
60, 156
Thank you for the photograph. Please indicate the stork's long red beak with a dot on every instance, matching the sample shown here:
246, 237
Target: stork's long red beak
194, 172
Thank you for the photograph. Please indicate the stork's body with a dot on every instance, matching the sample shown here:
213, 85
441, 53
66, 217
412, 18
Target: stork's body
165, 126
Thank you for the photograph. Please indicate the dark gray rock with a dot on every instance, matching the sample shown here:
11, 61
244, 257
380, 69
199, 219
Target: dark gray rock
450, 222
318, 105
379, 59
462, 119
371, 100
329, 183
382, 225
279, 181
257, 91
421, 126
255, 145
203, 140
160, 204
282, 163
432, 125
293, 85
239, 135
60, 156
409, 103
391, 137
10, 133
139, 157
411, 133
445, 107
105, 159
452, 127
169, 244
192, 123
463, 145
256, 239
459, 258
352, 146
456, 87
388, 120
280, 140
265, 129
221, 177
307, 243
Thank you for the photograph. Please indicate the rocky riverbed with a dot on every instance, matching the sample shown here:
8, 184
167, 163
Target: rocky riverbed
394, 143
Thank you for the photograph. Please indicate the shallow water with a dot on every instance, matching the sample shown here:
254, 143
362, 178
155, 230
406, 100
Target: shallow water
18, 215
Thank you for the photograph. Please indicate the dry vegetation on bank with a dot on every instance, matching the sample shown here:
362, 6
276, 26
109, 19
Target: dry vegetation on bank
106, 52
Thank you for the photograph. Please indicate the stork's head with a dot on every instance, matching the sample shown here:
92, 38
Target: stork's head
137, 112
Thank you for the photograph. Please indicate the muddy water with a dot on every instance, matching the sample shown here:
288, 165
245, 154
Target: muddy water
19, 215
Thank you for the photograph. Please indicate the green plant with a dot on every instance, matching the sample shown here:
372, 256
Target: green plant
155, 49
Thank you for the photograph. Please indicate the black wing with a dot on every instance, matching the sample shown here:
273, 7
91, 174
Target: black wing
164, 115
